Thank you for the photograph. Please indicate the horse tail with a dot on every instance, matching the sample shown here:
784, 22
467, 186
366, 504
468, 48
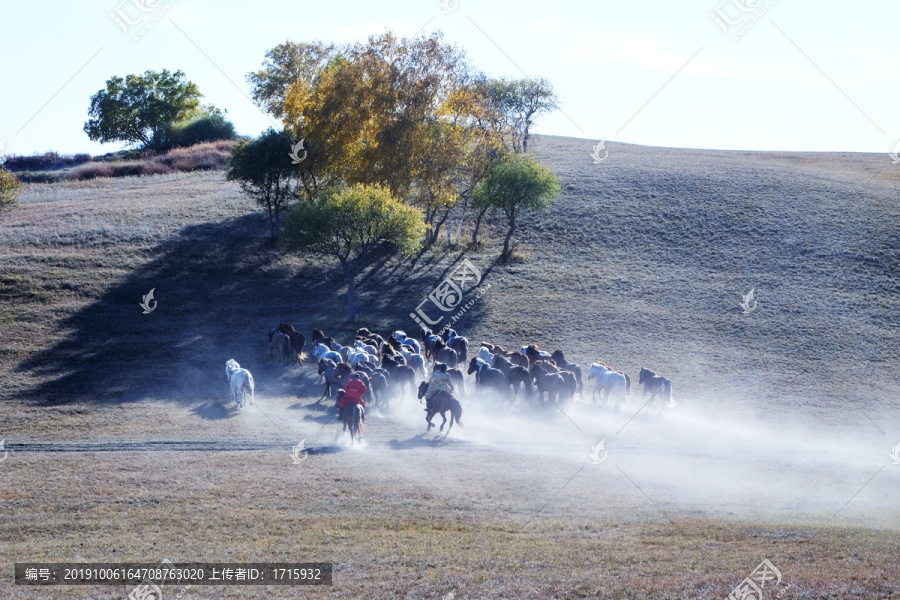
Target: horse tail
668, 390
627, 384
456, 412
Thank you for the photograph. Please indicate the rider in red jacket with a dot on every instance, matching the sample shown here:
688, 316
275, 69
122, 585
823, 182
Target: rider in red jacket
353, 392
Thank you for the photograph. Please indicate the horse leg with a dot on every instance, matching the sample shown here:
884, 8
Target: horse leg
444, 417
428, 418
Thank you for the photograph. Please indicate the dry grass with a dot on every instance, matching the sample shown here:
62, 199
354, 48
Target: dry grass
641, 262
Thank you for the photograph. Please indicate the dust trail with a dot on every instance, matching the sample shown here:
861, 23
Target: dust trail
685, 458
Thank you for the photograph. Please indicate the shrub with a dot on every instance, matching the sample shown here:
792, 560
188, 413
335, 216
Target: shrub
9, 188
189, 132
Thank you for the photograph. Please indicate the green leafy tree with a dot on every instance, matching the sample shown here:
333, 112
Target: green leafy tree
204, 127
356, 225
136, 108
520, 101
9, 188
515, 187
286, 64
266, 172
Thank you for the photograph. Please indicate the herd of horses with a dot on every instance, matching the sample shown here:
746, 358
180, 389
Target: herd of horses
389, 365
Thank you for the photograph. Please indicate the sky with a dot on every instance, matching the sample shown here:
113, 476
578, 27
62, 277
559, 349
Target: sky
770, 75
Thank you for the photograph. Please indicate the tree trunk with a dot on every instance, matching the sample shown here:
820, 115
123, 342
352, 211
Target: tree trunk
436, 229
351, 297
505, 253
478, 225
450, 231
271, 218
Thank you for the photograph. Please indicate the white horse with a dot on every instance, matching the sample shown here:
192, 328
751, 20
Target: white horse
400, 336
322, 351
613, 382
364, 347
354, 357
485, 355
414, 360
241, 382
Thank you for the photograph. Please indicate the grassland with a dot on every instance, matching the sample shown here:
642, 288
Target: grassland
641, 262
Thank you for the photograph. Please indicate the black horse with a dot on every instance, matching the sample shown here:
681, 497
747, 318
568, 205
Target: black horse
656, 385
441, 403
488, 377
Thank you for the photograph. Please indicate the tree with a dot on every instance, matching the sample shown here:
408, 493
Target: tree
516, 186
136, 108
204, 127
520, 101
264, 168
354, 224
387, 113
285, 65
9, 188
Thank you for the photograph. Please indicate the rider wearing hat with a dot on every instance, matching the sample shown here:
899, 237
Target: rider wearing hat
440, 382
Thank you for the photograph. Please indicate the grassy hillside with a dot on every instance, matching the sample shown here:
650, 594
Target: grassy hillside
642, 261
778, 448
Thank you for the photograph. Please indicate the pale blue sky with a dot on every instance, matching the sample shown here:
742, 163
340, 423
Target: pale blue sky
606, 59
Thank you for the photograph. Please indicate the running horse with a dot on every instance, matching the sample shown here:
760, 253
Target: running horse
655, 385
443, 401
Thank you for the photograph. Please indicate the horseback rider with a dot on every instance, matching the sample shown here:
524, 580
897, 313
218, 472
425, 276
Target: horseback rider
353, 392
440, 382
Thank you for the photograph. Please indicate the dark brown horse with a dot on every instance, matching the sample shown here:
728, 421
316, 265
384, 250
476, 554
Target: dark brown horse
549, 383
440, 352
401, 374
441, 403
298, 340
655, 385
352, 415
319, 337
560, 360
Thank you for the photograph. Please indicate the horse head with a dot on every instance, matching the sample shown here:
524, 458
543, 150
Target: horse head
473, 365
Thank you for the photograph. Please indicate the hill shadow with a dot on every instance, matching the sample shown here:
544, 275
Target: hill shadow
219, 287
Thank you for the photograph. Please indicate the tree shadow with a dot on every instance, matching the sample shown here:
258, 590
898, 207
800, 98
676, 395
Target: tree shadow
218, 288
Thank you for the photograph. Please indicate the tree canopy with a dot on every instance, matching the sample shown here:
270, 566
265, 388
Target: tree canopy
266, 172
515, 186
355, 225
136, 108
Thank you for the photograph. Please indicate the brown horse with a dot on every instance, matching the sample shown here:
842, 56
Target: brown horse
298, 340
353, 416
442, 402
